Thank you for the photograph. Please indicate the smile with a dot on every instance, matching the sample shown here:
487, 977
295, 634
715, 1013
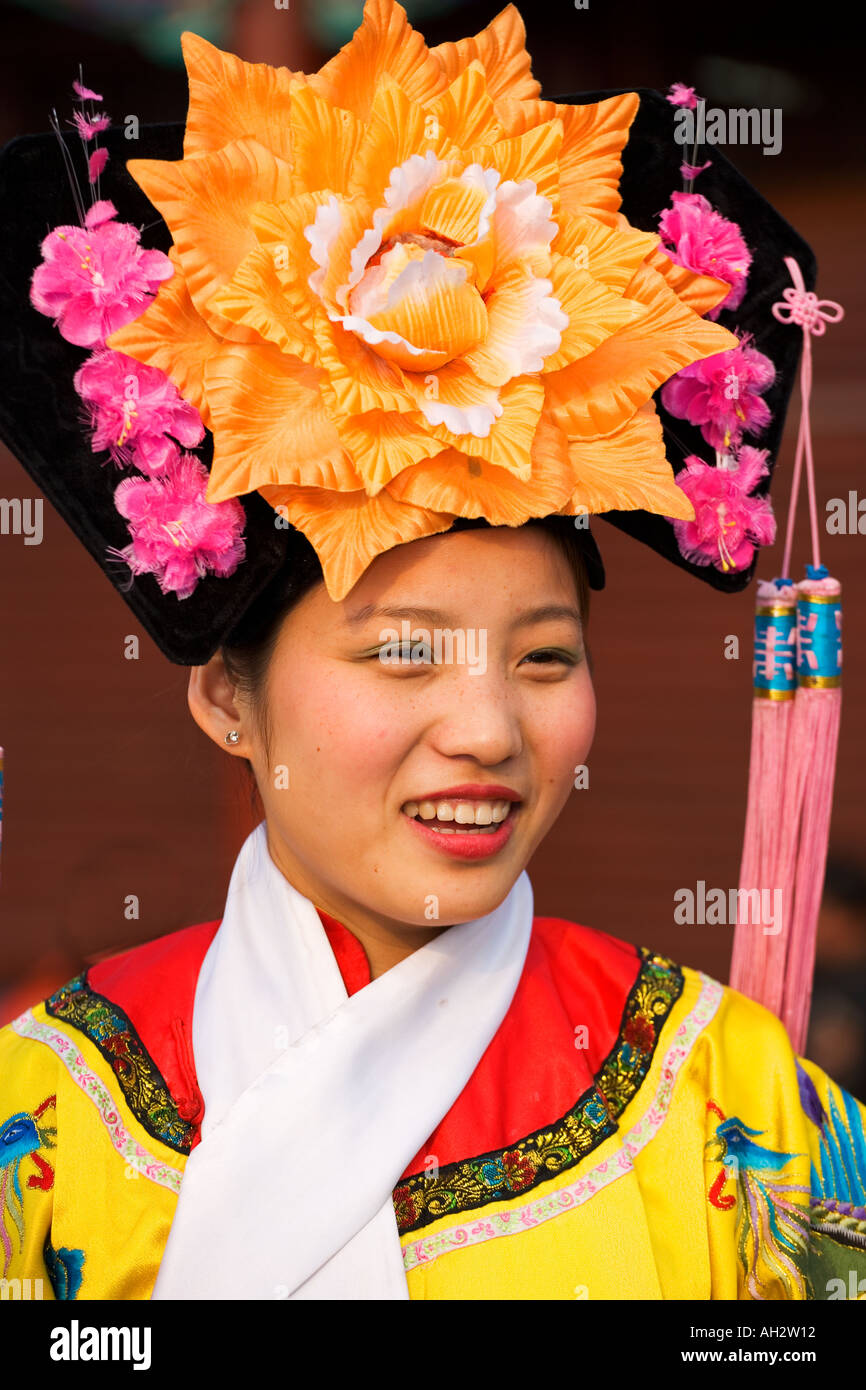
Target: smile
462, 827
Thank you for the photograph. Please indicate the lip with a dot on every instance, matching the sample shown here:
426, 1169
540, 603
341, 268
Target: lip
470, 790
466, 846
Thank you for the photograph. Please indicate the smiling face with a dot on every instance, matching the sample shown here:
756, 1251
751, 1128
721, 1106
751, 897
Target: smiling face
431, 781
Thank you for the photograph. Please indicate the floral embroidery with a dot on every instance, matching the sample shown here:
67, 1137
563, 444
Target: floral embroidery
772, 1227
136, 1157
494, 1177
144, 1089
516, 1219
21, 1136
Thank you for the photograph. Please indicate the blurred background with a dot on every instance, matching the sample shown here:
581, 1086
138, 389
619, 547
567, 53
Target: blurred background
112, 791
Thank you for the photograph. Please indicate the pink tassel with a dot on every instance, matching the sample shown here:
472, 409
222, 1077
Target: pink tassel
809, 788
793, 759
758, 961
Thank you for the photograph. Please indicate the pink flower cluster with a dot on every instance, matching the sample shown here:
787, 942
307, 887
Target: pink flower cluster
177, 535
723, 395
728, 523
694, 235
94, 279
681, 95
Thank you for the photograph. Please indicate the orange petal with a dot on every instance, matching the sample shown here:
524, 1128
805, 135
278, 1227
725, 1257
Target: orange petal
508, 444
431, 305
361, 380
466, 109
325, 142
594, 312
610, 254
398, 128
349, 529
173, 337
270, 425
281, 229
256, 297
382, 443
700, 292
384, 41
594, 137
525, 326
626, 471
452, 209
229, 99
472, 487
532, 155
522, 230
600, 392
455, 398
206, 202
501, 47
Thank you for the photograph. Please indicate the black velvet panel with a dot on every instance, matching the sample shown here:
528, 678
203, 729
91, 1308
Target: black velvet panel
42, 420
651, 161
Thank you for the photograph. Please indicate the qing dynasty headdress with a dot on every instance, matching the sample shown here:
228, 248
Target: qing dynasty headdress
397, 292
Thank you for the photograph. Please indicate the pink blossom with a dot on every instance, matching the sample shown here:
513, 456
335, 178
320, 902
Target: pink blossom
723, 395
698, 237
96, 163
728, 523
691, 171
96, 278
680, 95
177, 535
87, 127
85, 93
99, 213
133, 411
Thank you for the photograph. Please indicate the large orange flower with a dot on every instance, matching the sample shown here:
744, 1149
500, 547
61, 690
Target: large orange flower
404, 292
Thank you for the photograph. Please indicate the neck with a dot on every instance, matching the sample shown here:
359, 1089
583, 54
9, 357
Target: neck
385, 940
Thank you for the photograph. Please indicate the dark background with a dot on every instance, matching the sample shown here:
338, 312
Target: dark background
112, 790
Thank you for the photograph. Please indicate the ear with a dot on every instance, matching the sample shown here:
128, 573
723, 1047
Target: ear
211, 699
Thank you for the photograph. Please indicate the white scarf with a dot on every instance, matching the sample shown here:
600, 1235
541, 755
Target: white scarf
315, 1102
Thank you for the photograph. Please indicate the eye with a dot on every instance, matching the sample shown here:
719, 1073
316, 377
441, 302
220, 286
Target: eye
404, 654
547, 656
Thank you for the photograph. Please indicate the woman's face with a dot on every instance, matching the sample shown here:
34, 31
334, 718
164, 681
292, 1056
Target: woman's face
378, 768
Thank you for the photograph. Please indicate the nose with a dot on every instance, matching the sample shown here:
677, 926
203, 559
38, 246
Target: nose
479, 719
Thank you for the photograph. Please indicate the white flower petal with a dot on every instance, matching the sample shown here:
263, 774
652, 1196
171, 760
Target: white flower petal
474, 419
321, 234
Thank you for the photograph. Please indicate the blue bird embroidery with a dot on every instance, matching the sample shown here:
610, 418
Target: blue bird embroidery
21, 1136
773, 1227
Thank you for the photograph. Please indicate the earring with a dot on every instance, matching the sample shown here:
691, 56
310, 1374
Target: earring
233, 736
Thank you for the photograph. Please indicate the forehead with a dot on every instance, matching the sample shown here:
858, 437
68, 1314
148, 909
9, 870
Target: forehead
472, 577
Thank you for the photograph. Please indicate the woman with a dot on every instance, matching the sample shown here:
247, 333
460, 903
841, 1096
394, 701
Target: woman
379, 1062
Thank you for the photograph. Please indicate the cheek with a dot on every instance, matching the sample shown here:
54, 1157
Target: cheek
336, 729
565, 732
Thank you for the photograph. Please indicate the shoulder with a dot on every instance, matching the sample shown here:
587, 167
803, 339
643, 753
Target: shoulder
611, 991
135, 1008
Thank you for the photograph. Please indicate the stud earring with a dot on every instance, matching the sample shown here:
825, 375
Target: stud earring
233, 736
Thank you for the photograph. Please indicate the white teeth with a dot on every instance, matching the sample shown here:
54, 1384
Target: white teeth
464, 813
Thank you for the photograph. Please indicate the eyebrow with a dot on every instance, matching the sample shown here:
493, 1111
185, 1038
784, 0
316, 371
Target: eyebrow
438, 618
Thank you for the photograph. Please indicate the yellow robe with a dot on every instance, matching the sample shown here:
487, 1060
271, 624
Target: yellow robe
726, 1168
